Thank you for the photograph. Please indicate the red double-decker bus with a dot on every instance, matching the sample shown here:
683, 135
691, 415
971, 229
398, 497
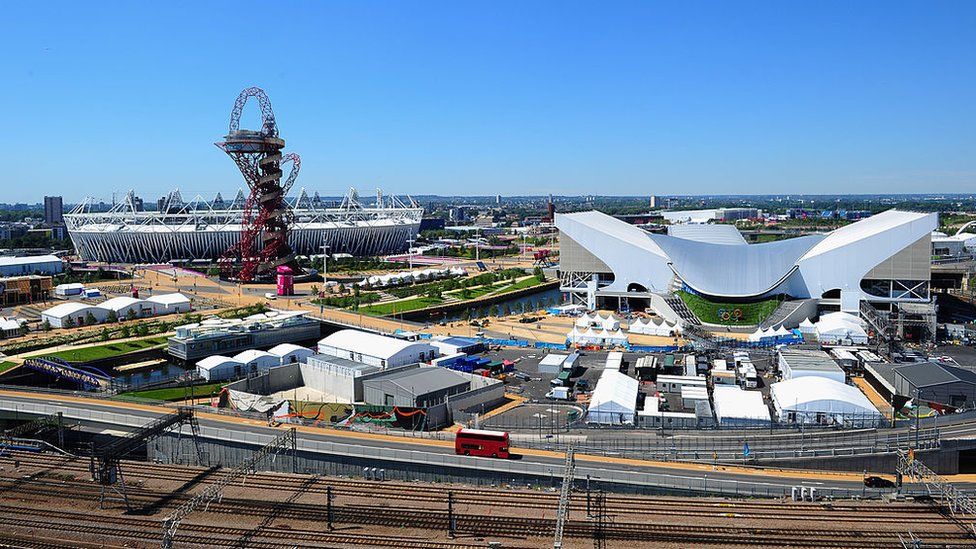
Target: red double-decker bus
475, 442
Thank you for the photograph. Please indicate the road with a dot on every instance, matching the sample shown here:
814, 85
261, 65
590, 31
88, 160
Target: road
669, 475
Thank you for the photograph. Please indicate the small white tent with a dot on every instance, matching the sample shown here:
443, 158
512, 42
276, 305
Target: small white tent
617, 338
610, 322
637, 326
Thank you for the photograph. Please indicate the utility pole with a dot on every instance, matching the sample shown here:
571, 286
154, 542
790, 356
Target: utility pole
329, 512
451, 522
325, 267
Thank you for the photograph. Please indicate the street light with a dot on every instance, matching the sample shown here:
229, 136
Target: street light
410, 242
325, 268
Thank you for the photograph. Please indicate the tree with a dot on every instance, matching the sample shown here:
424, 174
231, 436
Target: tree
355, 292
126, 331
46, 325
112, 317
315, 290
69, 322
103, 335
539, 274
508, 310
130, 314
23, 328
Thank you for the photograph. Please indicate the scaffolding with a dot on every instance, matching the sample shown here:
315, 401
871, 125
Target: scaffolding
954, 500
569, 470
286, 442
106, 462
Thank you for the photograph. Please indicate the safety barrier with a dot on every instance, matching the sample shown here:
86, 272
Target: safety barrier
506, 342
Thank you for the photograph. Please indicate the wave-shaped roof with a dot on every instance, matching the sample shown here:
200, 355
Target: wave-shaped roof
731, 270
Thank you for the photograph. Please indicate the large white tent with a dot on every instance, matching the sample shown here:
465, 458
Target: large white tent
820, 400
734, 406
614, 400
840, 328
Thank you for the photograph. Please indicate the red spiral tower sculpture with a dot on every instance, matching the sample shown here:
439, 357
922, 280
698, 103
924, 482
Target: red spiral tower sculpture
257, 154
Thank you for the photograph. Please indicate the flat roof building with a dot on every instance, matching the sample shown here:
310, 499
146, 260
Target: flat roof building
736, 407
417, 387
33, 264
797, 363
230, 335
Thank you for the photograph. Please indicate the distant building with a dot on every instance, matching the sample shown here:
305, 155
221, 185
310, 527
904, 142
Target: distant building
53, 210
498, 199
35, 264
655, 202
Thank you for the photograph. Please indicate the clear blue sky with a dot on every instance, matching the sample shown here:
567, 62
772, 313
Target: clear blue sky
486, 97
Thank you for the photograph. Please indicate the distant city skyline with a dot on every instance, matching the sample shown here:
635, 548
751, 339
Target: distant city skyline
627, 99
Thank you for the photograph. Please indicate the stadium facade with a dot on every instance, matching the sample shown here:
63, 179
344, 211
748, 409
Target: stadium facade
883, 260
203, 230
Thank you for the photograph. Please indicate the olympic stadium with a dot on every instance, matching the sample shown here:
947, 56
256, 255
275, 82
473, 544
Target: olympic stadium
884, 261
203, 230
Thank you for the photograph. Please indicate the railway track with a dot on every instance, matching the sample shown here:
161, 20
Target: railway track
204, 535
478, 524
617, 505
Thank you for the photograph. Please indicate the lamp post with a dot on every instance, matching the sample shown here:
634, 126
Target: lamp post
325, 267
410, 242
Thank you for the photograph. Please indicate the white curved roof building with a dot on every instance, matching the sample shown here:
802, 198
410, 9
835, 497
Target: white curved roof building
884, 258
376, 350
815, 399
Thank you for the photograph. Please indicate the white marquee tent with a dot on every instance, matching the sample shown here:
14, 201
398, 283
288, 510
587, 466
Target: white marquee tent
815, 399
840, 328
614, 400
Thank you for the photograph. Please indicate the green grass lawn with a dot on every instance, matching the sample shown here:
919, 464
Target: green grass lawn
173, 394
523, 284
6, 365
711, 312
382, 309
98, 352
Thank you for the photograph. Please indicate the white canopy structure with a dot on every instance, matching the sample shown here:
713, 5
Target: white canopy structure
614, 400
218, 367
617, 337
654, 327
807, 327
817, 399
591, 337
840, 328
756, 336
782, 332
584, 321
609, 322
734, 406
575, 336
